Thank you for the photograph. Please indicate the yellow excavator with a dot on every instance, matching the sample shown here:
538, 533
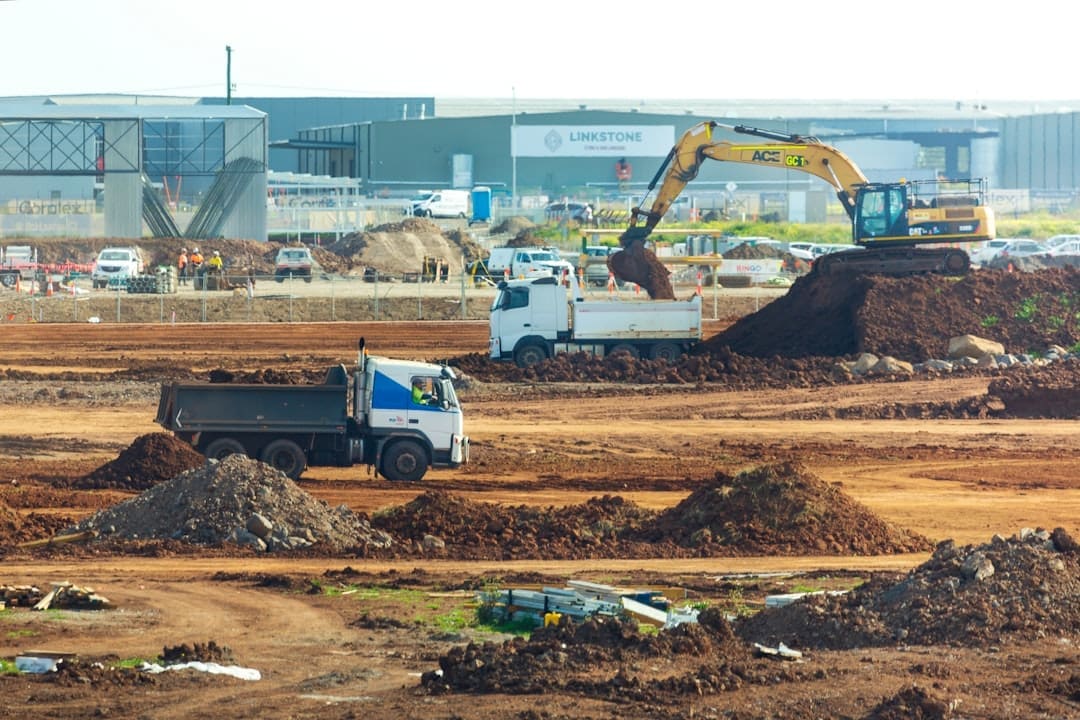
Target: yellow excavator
889, 220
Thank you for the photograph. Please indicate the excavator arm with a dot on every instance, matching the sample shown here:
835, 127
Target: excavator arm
791, 152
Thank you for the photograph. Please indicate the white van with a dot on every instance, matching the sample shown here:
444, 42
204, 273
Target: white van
441, 203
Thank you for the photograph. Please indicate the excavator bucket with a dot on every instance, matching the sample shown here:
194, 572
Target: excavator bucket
637, 264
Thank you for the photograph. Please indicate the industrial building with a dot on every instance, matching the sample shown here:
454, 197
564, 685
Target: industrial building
196, 167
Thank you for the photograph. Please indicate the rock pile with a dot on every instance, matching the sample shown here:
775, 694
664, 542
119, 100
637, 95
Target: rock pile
1020, 588
149, 460
237, 500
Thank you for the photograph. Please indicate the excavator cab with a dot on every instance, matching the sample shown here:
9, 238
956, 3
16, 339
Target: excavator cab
880, 211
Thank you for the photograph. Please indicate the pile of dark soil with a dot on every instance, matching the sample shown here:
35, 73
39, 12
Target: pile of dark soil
746, 251
1021, 588
440, 524
637, 264
772, 510
780, 510
269, 376
912, 703
910, 318
150, 459
1052, 391
197, 652
237, 500
591, 659
17, 528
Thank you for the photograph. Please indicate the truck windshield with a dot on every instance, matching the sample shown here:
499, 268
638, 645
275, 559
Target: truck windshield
543, 257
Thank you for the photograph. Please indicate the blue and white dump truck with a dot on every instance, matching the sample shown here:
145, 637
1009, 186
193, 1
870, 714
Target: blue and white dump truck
368, 415
538, 318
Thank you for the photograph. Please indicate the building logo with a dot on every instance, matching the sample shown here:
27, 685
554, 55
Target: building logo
553, 141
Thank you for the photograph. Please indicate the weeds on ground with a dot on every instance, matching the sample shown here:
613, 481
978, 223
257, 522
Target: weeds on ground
7, 667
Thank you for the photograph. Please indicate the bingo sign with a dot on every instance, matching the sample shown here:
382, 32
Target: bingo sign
567, 141
759, 270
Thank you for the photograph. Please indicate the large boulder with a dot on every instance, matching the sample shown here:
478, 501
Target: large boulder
973, 346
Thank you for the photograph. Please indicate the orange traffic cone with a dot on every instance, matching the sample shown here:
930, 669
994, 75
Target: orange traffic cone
48, 288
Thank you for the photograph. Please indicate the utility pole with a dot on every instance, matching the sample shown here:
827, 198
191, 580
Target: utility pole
513, 147
228, 75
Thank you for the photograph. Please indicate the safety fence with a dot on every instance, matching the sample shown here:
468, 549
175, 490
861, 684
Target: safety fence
324, 298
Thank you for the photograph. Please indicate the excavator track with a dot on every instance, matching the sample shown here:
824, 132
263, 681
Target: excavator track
895, 261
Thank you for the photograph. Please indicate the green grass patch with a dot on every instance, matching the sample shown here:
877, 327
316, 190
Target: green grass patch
16, 634
134, 662
989, 321
7, 667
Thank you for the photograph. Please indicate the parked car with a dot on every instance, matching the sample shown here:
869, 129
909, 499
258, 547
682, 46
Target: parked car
1020, 248
116, 265
986, 251
596, 269
294, 262
1056, 240
1068, 247
577, 211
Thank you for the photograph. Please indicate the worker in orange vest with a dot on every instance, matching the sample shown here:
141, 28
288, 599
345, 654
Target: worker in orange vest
197, 268
182, 266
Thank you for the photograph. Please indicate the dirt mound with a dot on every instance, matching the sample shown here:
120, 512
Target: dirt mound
149, 460
197, 652
396, 248
237, 500
269, 376
1052, 391
780, 509
772, 510
1022, 588
746, 251
513, 225
87, 672
910, 318
440, 524
912, 703
589, 658
17, 528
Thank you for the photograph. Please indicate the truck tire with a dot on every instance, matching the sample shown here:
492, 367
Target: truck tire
8, 280
286, 456
666, 351
529, 354
624, 347
404, 460
224, 447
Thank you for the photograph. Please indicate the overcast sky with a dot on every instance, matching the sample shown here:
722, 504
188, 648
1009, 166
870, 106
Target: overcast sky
777, 49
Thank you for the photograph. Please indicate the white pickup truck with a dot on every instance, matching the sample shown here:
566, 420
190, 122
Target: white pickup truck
534, 319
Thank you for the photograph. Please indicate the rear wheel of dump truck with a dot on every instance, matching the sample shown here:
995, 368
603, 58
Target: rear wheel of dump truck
530, 354
668, 352
286, 456
8, 280
404, 460
224, 447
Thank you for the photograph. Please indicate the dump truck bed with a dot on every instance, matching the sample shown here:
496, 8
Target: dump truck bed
206, 407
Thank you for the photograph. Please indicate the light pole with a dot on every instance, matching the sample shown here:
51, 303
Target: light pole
513, 147
228, 75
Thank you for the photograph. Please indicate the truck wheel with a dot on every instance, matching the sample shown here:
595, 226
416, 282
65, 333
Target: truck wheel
286, 456
224, 447
530, 354
624, 347
7, 280
404, 460
668, 352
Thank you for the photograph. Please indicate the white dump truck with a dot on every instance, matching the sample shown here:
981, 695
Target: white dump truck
534, 319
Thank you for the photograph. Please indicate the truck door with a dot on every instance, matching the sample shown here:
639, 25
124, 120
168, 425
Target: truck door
433, 410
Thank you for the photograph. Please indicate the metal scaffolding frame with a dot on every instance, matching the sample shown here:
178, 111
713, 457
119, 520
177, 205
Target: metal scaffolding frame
125, 146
